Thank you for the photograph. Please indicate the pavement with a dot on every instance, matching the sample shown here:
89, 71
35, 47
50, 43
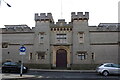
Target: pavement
8, 76
59, 70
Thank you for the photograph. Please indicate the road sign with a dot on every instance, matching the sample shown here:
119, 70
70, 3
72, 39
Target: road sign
22, 49
22, 52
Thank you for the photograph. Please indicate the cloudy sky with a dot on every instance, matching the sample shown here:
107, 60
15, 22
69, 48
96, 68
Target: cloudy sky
22, 11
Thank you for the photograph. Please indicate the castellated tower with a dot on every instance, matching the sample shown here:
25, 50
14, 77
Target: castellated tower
42, 36
81, 42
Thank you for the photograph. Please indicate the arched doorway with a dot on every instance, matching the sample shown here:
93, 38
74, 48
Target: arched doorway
61, 58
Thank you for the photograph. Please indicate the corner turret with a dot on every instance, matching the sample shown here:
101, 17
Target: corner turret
79, 16
44, 17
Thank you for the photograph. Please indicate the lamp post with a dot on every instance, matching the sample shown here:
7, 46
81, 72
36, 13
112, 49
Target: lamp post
6, 3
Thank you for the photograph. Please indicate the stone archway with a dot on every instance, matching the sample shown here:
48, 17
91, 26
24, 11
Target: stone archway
61, 58
55, 50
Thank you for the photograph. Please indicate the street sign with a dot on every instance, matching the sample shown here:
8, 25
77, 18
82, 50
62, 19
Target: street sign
22, 52
22, 49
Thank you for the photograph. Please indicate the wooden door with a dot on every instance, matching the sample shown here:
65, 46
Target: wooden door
61, 58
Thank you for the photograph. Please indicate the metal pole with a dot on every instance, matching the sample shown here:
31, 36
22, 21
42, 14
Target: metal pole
61, 10
0, 2
21, 70
7, 4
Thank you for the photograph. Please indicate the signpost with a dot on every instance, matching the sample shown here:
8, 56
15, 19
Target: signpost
22, 52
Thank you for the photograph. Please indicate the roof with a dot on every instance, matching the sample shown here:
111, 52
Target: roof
16, 26
109, 24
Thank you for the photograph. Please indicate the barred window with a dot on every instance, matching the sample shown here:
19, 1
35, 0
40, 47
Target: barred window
61, 38
82, 55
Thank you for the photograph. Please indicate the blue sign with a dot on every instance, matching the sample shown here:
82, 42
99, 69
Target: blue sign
22, 49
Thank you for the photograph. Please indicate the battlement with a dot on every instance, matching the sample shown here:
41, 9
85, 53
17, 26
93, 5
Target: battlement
79, 16
61, 23
44, 17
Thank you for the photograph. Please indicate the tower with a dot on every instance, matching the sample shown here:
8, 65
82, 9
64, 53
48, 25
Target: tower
81, 42
42, 37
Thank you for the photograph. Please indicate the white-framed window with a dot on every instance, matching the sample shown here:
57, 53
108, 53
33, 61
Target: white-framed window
82, 55
61, 38
41, 37
81, 37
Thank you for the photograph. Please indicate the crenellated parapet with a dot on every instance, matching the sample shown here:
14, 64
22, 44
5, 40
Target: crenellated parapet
61, 23
79, 16
44, 17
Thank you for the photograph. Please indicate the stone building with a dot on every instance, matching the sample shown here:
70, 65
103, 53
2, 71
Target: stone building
61, 44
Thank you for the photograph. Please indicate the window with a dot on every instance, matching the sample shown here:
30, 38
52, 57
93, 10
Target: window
10, 64
41, 37
41, 55
115, 65
92, 56
38, 56
4, 45
7, 63
61, 38
82, 55
13, 64
30, 56
108, 65
81, 37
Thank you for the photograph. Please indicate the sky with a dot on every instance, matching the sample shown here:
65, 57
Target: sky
22, 11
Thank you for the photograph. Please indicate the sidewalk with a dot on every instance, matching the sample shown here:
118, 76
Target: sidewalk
16, 76
58, 70
11, 76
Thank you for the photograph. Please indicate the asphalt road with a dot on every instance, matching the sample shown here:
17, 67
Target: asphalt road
56, 75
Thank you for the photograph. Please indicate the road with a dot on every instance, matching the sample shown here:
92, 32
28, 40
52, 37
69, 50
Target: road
61, 75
